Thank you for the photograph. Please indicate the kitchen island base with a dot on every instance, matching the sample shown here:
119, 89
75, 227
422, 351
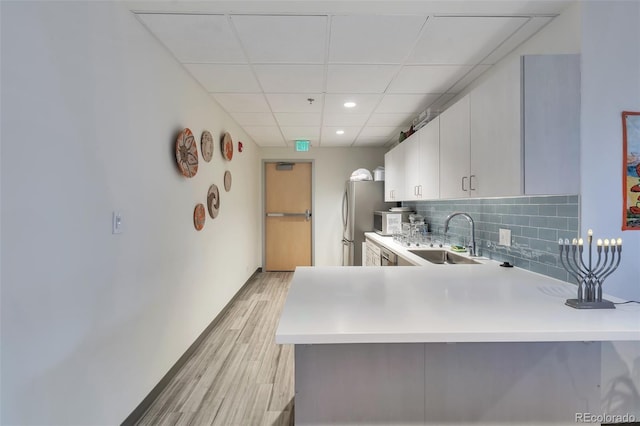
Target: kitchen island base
446, 383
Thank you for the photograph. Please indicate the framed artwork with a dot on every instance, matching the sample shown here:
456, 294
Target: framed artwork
631, 170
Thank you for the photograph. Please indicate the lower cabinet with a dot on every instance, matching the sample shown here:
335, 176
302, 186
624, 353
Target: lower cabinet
372, 254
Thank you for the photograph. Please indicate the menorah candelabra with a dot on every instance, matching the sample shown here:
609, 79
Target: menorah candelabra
590, 278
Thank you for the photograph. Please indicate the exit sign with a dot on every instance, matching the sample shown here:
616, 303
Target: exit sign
302, 146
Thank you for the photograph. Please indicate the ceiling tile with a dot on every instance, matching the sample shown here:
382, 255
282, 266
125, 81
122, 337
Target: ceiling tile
278, 39
295, 102
410, 103
365, 103
462, 39
195, 38
370, 141
298, 118
373, 38
530, 28
427, 78
254, 118
472, 75
292, 133
265, 135
225, 78
344, 119
235, 102
387, 119
331, 138
380, 132
290, 78
359, 78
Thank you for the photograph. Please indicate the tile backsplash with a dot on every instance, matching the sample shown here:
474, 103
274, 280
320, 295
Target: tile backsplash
536, 224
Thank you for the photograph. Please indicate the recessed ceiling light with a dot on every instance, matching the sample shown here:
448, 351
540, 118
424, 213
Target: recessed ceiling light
349, 104
339, 132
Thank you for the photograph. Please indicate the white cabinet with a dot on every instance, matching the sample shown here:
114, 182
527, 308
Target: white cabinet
551, 111
422, 163
495, 137
394, 174
372, 254
455, 179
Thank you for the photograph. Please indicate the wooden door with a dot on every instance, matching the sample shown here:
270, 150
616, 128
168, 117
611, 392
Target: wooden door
288, 216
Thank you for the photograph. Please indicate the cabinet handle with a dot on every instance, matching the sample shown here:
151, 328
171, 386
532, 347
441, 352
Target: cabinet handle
420, 191
471, 182
415, 190
463, 188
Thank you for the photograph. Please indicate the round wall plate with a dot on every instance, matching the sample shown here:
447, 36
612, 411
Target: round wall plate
199, 216
227, 181
213, 201
206, 145
227, 146
187, 153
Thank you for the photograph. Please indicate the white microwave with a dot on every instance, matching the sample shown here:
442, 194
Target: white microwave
389, 223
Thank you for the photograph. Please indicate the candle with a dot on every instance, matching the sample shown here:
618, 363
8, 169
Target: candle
620, 242
599, 243
606, 242
590, 232
580, 242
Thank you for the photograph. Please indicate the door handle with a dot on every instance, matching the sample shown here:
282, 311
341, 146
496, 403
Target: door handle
463, 178
306, 214
471, 182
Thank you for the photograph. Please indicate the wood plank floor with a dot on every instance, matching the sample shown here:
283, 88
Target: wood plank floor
238, 375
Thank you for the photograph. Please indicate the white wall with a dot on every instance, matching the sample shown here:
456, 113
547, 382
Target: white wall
91, 321
332, 168
610, 85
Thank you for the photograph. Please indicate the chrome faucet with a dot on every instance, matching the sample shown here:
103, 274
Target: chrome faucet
472, 243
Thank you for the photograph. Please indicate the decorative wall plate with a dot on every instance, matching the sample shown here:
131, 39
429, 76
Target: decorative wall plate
187, 153
227, 146
227, 181
213, 201
199, 216
206, 145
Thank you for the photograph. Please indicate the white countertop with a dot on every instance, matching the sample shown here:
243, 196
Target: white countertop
442, 303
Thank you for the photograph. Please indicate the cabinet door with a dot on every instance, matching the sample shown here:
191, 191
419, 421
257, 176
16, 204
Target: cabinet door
551, 110
496, 142
454, 150
411, 165
394, 174
429, 164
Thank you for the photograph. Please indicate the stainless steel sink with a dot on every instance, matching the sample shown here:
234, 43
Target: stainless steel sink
444, 257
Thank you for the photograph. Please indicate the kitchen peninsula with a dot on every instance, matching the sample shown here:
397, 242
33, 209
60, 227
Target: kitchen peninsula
439, 344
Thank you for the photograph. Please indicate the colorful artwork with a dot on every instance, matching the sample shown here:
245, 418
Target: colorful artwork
631, 173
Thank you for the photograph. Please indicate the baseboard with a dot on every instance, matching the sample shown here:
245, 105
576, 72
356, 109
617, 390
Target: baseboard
142, 408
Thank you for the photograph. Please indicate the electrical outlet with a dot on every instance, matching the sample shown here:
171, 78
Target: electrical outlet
116, 223
505, 237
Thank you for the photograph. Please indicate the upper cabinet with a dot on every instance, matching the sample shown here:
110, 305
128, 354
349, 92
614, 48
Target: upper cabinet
496, 148
394, 173
422, 165
551, 131
518, 133
455, 179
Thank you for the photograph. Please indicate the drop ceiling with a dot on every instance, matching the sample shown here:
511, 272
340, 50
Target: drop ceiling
283, 70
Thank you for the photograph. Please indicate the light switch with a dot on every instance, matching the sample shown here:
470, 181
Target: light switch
505, 237
116, 223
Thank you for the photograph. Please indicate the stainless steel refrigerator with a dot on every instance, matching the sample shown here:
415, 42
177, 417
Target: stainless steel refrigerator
360, 200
